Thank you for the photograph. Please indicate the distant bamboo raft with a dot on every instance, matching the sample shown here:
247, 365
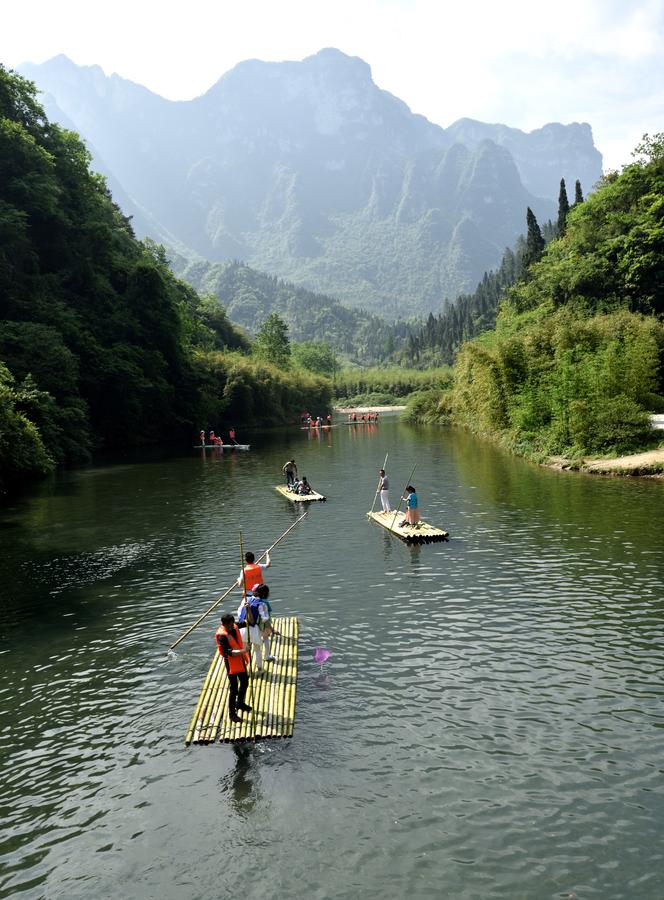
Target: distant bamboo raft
274, 691
298, 498
422, 533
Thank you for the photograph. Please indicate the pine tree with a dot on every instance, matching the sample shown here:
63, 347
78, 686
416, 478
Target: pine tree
563, 208
578, 195
534, 240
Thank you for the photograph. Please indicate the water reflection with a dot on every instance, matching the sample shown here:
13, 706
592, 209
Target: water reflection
240, 786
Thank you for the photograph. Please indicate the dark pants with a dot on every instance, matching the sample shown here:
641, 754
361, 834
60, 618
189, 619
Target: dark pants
290, 477
238, 685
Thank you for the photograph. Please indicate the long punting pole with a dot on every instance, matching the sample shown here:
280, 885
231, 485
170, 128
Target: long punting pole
246, 619
226, 593
410, 478
379, 480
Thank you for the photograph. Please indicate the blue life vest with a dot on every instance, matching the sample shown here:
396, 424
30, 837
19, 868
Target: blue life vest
254, 603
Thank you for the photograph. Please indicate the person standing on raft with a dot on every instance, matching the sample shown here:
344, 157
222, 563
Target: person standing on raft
231, 435
255, 612
252, 573
412, 511
384, 488
236, 657
290, 471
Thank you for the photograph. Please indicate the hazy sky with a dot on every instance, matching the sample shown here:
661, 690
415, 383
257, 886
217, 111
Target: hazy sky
520, 62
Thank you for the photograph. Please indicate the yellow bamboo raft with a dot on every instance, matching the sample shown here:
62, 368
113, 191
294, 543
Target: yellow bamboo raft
274, 690
298, 498
422, 533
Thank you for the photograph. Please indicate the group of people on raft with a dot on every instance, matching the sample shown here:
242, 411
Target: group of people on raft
293, 483
371, 417
309, 421
217, 439
250, 627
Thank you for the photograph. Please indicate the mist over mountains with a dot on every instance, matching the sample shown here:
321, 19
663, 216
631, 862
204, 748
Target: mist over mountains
308, 171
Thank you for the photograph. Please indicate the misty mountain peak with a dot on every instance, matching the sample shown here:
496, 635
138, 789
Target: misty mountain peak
310, 171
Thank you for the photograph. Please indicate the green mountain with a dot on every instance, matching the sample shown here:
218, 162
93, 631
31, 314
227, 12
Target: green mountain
249, 297
309, 171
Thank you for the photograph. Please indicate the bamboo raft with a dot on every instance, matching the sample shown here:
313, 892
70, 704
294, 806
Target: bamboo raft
422, 533
222, 446
298, 498
274, 691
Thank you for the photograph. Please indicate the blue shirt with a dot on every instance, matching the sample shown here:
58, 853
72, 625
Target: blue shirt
412, 500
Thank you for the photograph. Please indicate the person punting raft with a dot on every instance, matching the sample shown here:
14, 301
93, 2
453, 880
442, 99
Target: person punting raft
409, 528
251, 574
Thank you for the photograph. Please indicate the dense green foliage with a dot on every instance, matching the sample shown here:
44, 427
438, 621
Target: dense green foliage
250, 297
576, 359
236, 389
385, 386
100, 345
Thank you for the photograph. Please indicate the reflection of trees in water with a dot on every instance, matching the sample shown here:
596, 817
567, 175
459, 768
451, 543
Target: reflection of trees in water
240, 786
590, 501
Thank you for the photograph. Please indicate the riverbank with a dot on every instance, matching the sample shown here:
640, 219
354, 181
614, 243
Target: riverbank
383, 410
647, 464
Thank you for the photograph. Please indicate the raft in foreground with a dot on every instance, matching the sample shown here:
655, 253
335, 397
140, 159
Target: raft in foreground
298, 498
423, 533
274, 691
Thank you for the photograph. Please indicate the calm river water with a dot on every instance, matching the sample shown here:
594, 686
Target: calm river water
489, 724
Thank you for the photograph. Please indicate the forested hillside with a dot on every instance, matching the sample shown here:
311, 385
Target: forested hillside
577, 356
100, 345
249, 297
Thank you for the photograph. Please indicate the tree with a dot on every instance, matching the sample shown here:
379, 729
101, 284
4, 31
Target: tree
578, 194
272, 342
563, 208
534, 240
315, 356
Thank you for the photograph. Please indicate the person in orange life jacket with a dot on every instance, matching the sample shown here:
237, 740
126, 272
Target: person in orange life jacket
252, 573
255, 611
231, 435
329, 420
236, 657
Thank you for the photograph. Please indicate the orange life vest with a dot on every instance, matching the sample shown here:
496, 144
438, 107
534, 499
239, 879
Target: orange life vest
235, 664
253, 576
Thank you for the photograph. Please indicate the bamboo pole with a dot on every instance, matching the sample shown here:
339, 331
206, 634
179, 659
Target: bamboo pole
213, 708
248, 668
401, 498
277, 650
217, 715
290, 717
205, 699
379, 481
226, 593
190, 733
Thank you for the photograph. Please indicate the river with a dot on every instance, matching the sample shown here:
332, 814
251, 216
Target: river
489, 724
